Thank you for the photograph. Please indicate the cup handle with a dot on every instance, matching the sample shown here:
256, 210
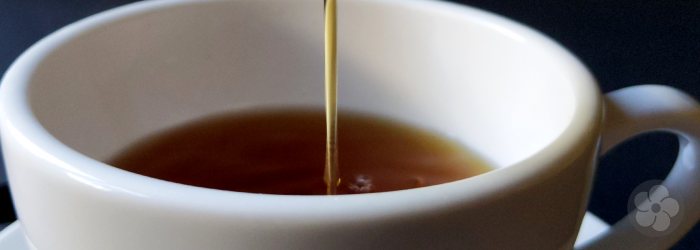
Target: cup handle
634, 110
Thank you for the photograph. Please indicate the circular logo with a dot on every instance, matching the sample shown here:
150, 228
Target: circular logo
653, 210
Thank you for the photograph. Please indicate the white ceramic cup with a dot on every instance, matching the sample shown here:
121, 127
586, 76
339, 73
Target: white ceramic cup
512, 95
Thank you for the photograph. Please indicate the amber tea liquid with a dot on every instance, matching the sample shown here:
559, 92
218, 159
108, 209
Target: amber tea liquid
283, 152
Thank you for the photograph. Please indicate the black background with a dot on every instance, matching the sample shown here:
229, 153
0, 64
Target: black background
623, 42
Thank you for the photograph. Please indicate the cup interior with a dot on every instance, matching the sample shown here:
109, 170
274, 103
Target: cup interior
500, 88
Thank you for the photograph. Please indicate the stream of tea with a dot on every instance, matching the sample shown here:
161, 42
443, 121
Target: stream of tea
331, 174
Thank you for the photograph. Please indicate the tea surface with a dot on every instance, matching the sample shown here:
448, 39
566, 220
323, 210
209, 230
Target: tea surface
283, 152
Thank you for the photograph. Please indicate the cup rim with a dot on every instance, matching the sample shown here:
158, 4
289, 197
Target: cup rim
19, 122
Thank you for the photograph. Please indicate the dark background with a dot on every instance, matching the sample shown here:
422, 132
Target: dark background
623, 42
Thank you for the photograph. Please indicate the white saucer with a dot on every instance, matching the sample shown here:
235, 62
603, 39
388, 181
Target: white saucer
591, 227
12, 237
